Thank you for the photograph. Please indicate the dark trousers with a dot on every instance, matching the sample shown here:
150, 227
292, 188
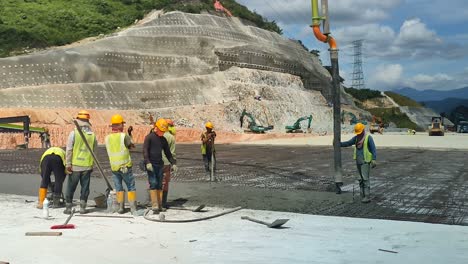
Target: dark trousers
155, 177
53, 163
84, 178
207, 160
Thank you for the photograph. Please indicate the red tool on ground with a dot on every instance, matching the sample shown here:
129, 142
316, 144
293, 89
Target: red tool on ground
66, 225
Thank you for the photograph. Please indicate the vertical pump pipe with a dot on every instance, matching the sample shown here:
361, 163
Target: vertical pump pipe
336, 90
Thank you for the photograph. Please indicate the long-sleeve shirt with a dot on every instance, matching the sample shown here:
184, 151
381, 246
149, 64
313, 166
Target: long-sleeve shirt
71, 141
172, 146
360, 151
153, 146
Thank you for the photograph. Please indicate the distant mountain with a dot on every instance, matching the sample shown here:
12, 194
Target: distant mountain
446, 105
432, 95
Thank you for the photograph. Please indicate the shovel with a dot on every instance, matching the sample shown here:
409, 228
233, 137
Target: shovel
276, 224
66, 225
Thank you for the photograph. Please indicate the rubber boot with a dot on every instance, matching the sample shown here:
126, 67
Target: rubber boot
131, 195
160, 194
164, 199
361, 189
42, 195
338, 187
68, 208
154, 201
121, 202
56, 200
366, 198
83, 207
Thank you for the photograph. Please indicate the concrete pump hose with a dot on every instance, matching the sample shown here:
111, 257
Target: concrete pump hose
190, 220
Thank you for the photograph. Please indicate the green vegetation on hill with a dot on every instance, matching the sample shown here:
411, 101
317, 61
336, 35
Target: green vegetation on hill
28, 24
395, 116
363, 94
403, 100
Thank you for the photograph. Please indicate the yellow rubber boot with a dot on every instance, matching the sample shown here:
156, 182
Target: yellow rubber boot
131, 195
160, 199
42, 196
121, 201
154, 201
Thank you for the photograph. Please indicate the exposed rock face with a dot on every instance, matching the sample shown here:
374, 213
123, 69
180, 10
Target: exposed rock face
184, 66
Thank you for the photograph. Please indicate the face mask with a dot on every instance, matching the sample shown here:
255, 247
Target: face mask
172, 130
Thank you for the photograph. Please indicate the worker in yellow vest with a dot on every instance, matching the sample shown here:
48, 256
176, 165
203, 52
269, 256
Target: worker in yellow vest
53, 160
170, 138
365, 155
118, 145
79, 162
153, 146
207, 148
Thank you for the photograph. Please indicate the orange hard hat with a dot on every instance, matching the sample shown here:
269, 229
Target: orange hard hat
161, 124
117, 120
170, 122
209, 125
359, 128
83, 114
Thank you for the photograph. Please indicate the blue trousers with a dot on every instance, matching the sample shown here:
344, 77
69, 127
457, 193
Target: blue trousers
128, 178
155, 177
84, 178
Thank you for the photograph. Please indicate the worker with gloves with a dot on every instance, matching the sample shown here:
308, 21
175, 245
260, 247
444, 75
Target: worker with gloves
79, 162
170, 138
207, 148
118, 145
365, 155
53, 160
155, 143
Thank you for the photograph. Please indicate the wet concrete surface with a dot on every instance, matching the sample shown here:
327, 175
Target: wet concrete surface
408, 184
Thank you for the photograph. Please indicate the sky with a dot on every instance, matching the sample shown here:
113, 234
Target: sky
422, 44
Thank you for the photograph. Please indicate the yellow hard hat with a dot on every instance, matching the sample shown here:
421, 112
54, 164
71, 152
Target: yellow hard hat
117, 120
209, 125
83, 114
161, 124
359, 128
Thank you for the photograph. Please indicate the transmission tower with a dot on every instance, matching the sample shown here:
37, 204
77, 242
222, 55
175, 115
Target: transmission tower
358, 75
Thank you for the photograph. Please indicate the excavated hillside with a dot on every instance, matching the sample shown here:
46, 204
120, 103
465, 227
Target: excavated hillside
188, 67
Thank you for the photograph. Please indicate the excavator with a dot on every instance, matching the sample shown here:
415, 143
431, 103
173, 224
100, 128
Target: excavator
7, 126
296, 128
353, 119
253, 127
437, 126
377, 125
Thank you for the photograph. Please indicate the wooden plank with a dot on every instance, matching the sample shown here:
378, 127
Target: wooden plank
43, 233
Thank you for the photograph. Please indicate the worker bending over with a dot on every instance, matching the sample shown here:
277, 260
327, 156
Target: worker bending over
365, 155
79, 162
155, 143
53, 160
118, 145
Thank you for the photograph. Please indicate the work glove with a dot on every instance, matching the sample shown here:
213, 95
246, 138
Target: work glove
149, 167
174, 169
373, 164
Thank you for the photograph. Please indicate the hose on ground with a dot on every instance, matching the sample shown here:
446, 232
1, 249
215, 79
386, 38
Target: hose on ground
189, 220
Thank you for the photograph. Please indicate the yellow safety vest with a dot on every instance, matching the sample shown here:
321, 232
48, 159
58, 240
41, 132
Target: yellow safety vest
81, 155
53, 150
119, 155
367, 153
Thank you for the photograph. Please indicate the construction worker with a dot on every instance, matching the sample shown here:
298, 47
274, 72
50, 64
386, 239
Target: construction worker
79, 162
170, 138
155, 143
53, 160
118, 145
365, 155
207, 147
45, 138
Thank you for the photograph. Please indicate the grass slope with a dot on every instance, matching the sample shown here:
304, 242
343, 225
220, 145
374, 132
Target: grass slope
28, 24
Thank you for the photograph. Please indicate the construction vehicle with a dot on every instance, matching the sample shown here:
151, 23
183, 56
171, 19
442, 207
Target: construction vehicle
462, 127
7, 126
353, 120
437, 126
296, 128
253, 127
377, 125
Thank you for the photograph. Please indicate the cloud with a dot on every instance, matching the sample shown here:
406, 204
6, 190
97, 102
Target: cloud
386, 76
414, 34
